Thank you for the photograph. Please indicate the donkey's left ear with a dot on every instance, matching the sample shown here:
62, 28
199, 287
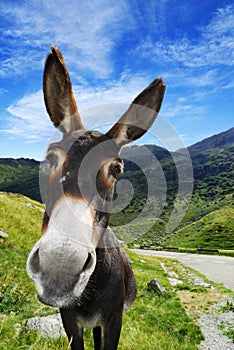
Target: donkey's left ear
140, 115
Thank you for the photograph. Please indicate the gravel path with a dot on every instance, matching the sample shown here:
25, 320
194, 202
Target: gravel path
210, 327
218, 269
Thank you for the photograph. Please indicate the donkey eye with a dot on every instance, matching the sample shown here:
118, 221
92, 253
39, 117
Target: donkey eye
116, 169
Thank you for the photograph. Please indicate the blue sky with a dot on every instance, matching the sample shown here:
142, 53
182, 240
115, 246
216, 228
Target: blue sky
113, 50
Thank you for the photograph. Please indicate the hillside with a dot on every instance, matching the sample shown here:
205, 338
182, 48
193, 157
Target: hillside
220, 140
206, 224
213, 169
153, 322
20, 176
215, 230
152, 171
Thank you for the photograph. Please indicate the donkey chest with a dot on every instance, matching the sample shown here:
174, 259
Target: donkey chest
89, 321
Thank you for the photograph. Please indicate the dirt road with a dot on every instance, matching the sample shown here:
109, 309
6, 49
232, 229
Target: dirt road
219, 269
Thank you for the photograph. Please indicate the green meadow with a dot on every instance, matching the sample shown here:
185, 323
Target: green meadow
153, 322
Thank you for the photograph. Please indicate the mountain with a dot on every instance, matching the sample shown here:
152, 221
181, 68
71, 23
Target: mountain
153, 173
218, 141
20, 176
213, 171
212, 230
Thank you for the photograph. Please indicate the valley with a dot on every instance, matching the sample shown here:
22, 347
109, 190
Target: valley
207, 211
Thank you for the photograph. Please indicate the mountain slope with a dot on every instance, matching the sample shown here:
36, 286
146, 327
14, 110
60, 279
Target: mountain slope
20, 176
21, 218
214, 171
213, 180
152, 171
214, 230
220, 140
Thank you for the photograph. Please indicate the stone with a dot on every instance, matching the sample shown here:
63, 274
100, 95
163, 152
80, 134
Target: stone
3, 234
2, 316
174, 281
47, 326
155, 286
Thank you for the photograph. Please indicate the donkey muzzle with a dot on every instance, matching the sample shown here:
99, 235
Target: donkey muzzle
60, 273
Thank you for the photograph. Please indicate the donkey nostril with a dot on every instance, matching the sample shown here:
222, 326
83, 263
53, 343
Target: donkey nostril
87, 262
34, 263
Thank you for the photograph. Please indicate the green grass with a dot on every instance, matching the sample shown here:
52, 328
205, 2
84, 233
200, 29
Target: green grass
213, 231
12, 172
227, 252
155, 319
153, 322
207, 224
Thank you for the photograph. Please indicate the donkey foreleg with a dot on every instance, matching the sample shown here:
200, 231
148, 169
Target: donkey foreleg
73, 330
111, 333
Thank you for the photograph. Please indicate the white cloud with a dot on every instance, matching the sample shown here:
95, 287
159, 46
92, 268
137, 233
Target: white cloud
122, 91
182, 108
20, 63
28, 117
213, 47
221, 24
85, 30
202, 78
87, 33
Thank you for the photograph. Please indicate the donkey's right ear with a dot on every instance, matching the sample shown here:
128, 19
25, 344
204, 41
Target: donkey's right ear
58, 95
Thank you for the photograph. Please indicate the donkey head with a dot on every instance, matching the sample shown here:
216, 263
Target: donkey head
83, 167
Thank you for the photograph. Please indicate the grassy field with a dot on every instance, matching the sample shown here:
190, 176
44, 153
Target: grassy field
153, 322
207, 224
214, 230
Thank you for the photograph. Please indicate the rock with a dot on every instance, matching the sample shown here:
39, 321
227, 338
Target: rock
48, 326
18, 328
3, 234
190, 277
213, 324
174, 281
2, 316
156, 286
172, 274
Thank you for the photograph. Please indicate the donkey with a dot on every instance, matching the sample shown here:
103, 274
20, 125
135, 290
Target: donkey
78, 264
